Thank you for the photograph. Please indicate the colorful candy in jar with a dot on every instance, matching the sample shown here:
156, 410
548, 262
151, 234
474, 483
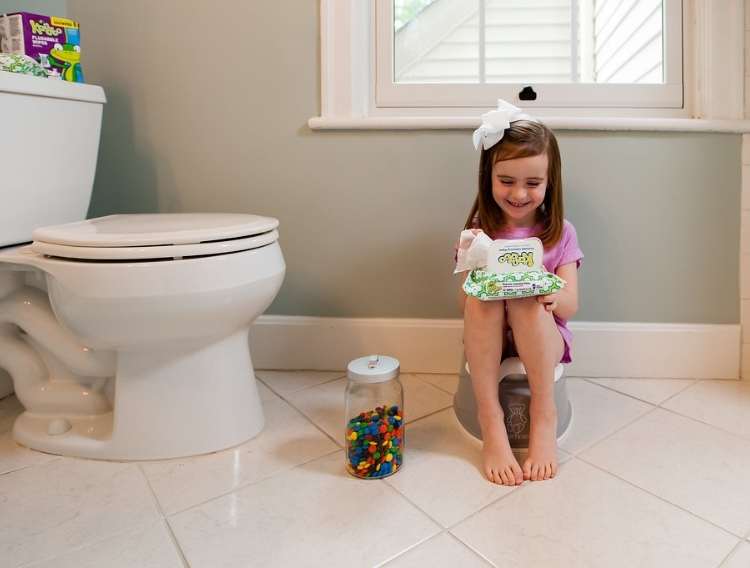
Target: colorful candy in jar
375, 442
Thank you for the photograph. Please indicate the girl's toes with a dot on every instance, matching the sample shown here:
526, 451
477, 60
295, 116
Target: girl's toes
527, 469
496, 477
511, 476
547, 471
554, 469
535, 472
504, 477
517, 474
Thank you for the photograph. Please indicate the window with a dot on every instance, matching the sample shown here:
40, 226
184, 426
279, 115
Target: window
440, 63
553, 53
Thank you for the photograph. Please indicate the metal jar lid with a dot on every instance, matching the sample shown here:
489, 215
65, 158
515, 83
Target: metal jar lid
373, 369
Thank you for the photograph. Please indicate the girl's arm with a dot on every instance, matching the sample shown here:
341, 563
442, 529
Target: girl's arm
567, 298
460, 278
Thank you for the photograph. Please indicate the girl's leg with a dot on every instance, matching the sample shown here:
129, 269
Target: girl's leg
484, 331
540, 347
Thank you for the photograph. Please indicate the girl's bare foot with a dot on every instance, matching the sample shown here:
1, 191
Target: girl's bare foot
542, 461
500, 466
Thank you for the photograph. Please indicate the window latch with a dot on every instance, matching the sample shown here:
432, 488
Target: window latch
527, 94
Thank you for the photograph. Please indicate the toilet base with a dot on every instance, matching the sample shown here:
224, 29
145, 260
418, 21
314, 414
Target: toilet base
169, 402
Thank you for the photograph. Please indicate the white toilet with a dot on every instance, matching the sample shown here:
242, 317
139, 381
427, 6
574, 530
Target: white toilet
126, 337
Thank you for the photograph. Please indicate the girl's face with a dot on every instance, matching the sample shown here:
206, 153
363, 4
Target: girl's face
519, 186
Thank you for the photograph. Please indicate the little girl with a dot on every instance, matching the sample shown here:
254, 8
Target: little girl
520, 196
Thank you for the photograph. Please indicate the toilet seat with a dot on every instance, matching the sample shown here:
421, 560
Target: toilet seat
154, 252
155, 236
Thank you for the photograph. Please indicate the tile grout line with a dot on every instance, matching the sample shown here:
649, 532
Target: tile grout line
131, 530
407, 549
412, 503
250, 483
679, 392
309, 419
176, 543
515, 489
343, 376
27, 466
164, 519
702, 423
635, 379
151, 489
433, 413
444, 531
670, 410
305, 416
417, 375
476, 552
632, 484
591, 381
731, 553
613, 432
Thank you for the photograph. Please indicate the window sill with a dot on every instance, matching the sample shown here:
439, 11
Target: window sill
555, 123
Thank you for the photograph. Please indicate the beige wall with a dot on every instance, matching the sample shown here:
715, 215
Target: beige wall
208, 105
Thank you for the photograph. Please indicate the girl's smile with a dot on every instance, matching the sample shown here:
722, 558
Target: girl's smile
519, 187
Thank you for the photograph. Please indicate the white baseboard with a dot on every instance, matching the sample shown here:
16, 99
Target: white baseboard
600, 349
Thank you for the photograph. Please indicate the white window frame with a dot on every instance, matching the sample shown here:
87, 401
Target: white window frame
713, 70
665, 95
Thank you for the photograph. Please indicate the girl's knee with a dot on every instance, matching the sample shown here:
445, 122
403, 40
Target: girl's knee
525, 309
488, 309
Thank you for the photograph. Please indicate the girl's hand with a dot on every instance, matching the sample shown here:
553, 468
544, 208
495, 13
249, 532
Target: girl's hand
549, 301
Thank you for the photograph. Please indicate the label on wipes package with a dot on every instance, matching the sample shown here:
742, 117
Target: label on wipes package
515, 255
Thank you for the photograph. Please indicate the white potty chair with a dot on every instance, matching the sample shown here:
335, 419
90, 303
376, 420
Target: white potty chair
514, 395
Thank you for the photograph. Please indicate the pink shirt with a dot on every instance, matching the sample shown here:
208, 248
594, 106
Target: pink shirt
565, 251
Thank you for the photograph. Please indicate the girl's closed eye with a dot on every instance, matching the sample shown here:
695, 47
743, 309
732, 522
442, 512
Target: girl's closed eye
509, 182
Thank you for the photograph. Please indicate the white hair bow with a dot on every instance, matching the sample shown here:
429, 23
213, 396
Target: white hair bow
495, 122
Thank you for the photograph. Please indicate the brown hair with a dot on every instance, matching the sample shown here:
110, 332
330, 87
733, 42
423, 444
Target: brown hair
521, 140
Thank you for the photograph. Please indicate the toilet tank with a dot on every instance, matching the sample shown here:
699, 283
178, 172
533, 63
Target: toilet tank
49, 139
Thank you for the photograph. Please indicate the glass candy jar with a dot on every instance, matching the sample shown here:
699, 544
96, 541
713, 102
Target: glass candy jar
374, 417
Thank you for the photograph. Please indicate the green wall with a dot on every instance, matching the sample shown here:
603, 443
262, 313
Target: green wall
45, 7
218, 122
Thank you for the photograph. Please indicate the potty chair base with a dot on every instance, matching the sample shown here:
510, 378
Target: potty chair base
514, 398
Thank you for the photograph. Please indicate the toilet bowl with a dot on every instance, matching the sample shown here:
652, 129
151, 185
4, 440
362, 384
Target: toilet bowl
514, 395
127, 336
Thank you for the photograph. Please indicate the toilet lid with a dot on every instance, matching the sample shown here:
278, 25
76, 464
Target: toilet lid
155, 229
157, 236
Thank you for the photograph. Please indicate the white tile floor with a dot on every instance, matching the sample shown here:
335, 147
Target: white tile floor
653, 473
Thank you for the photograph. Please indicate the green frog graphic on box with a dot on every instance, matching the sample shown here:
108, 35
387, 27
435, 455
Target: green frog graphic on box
66, 58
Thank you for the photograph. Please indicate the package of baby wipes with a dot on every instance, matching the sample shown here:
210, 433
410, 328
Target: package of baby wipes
504, 268
490, 286
18, 63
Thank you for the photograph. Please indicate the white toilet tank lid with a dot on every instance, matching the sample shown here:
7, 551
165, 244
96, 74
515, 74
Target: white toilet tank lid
153, 229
